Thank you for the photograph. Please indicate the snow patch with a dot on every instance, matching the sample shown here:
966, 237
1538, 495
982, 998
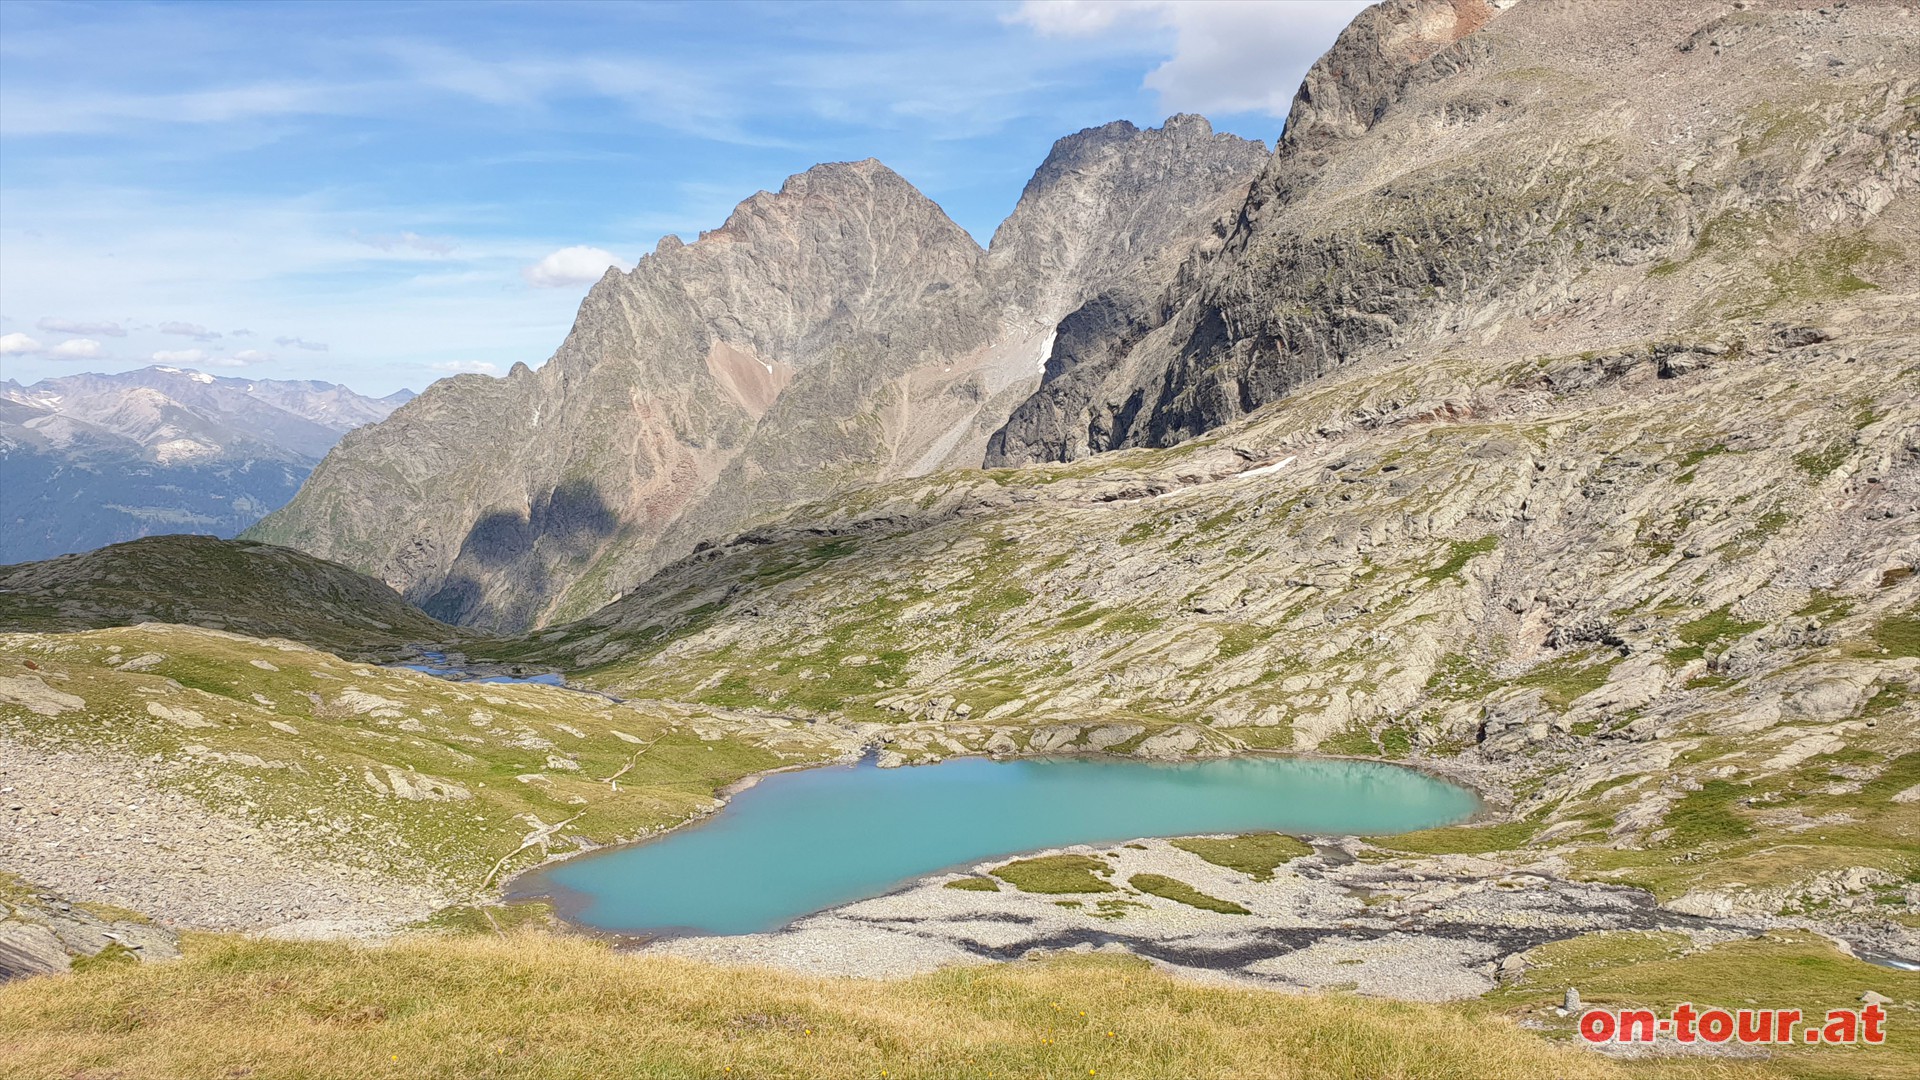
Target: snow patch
1263, 470
1046, 349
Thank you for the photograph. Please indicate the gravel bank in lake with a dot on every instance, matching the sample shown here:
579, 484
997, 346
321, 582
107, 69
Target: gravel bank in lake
1420, 928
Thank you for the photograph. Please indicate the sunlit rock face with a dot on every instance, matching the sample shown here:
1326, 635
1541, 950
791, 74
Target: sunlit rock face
839, 331
1480, 178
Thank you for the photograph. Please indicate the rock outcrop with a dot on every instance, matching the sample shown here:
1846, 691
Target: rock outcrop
43, 933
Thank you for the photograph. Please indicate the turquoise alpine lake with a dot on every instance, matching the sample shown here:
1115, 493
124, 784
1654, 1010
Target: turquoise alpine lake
799, 842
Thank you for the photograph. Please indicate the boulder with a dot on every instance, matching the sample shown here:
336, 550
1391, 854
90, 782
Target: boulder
1172, 744
28, 949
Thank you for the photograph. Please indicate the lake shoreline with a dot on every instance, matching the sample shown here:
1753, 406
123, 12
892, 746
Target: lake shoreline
1493, 801
514, 888
1325, 921
1351, 916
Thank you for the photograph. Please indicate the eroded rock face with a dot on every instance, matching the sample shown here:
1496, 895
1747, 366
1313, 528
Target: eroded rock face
1372, 62
1115, 207
839, 331
486, 500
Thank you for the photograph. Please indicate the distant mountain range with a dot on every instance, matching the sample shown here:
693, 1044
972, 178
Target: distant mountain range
88, 460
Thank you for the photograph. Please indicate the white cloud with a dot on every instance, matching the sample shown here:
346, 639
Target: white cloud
18, 345
70, 112
202, 358
1082, 18
577, 265
408, 241
192, 330
68, 326
1229, 56
77, 349
479, 366
300, 343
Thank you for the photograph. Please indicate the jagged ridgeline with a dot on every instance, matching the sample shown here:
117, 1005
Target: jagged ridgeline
838, 332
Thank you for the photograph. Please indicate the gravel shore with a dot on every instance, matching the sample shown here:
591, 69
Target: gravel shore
1424, 929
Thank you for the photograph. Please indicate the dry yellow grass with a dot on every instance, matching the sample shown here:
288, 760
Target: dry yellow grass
538, 1005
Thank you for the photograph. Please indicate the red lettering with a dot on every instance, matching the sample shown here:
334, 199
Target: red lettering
1716, 1025
1843, 1026
1636, 1025
1873, 1016
1755, 1025
1596, 1025
1683, 1023
1783, 1022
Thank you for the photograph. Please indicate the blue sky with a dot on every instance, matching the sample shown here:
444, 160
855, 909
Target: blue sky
379, 194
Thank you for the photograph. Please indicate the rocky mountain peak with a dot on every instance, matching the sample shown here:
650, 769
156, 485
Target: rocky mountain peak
827, 176
1110, 200
1447, 183
826, 195
1346, 90
712, 379
840, 330
841, 248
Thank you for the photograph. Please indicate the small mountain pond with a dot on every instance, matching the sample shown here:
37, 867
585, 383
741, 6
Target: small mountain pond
799, 842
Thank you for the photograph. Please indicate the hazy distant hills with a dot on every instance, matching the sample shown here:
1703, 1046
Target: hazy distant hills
91, 459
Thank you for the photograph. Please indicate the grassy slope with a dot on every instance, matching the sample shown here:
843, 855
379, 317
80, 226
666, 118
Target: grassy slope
1255, 854
1306, 580
1782, 970
528, 1005
518, 752
255, 589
